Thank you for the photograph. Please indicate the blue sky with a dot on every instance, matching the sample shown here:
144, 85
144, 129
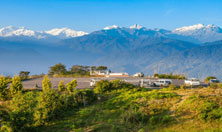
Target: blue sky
90, 15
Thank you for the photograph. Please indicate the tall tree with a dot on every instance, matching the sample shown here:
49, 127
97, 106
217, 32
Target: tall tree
59, 69
24, 74
101, 68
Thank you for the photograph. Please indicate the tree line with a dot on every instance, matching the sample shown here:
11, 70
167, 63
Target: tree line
60, 69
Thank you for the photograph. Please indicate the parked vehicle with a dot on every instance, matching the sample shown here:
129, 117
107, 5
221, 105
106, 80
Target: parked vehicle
139, 74
162, 82
192, 82
145, 82
93, 82
213, 81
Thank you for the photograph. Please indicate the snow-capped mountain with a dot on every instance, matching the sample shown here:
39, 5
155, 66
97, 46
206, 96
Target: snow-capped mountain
203, 33
11, 31
198, 33
65, 33
136, 26
62, 33
111, 27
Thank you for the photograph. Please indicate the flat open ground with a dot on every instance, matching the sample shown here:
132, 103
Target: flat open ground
84, 82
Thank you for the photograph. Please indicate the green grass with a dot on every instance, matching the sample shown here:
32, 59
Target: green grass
141, 110
119, 111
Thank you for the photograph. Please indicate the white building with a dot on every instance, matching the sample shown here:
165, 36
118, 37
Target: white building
120, 74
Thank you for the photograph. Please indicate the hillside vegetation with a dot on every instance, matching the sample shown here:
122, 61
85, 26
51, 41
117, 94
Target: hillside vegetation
113, 106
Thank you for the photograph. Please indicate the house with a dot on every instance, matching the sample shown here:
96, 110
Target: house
121, 74
99, 72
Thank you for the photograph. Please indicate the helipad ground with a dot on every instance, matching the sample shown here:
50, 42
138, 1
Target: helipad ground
83, 82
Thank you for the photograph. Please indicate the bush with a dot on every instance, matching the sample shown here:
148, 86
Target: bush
102, 86
48, 108
61, 86
134, 117
172, 87
16, 85
3, 87
84, 96
20, 117
71, 85
213, 85
46, 83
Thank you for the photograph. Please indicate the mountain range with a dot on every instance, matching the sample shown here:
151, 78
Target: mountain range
190, 50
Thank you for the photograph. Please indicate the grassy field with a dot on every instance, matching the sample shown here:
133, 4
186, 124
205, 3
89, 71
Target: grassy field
156, 110
118, 107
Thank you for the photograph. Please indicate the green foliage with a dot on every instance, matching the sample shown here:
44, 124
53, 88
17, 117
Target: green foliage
208, 78
61, 86
24, 75
214, 85
59, 69
46, 83
102, 86
205, 108
16, 85
20, 117
84, 96
80, 70
172, 87
48, 107
101, 68
3, 87
169, 76
71, 85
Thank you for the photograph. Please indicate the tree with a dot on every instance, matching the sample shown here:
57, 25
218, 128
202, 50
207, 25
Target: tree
3, 86
48, 107
59, 69
78, 69
16, 85
61, 86
71, 85
101, 68
46, 83
24, 74
208, 78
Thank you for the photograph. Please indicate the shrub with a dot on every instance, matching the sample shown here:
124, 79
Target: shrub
61, 86
118, 84
182, 87
71, 85
46, 83
102, 86
3, 87
134, 117
48, 108
213, 85
172, 87
84, 96
16, 85
20, 117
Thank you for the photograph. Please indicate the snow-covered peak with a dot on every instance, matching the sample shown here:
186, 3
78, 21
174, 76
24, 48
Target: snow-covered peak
200, 32
111, 27
189, 28
65, 32
136, 26
13, 31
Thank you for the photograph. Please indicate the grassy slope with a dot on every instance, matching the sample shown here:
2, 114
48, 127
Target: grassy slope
167, 110
110, 115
